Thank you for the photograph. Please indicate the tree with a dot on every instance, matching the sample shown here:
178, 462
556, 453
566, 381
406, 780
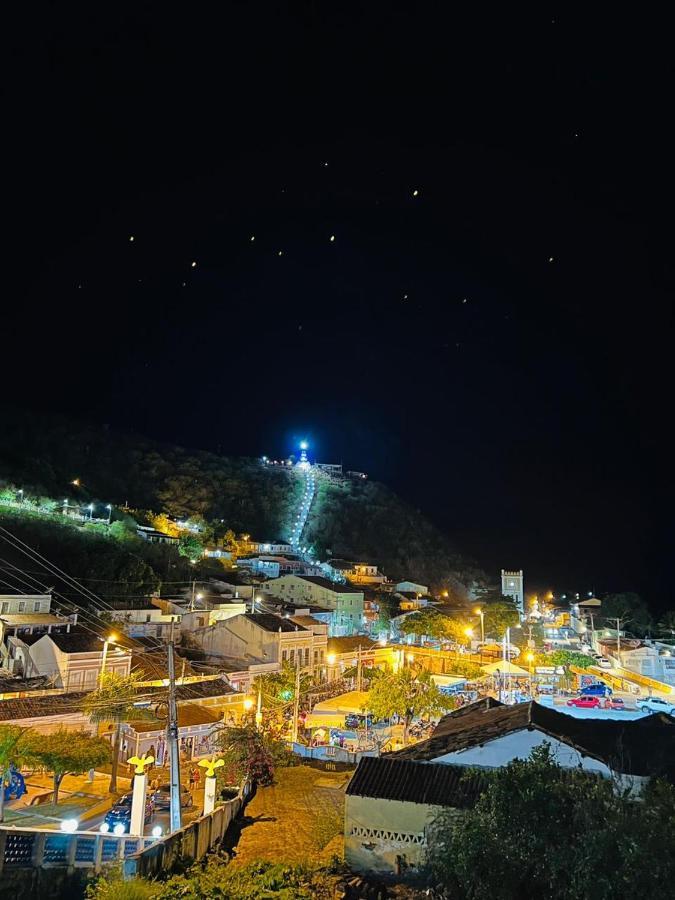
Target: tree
66, 752
163, 523
567, 658
499, 615
190, 546
630, 608
550, 832
248, 754
406, 694
389, 607
425, 623
667, 622
113, 702
12, 749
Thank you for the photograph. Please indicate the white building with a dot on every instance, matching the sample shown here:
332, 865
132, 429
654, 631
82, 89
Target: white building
513, 586
74, 659
147, 621
489, 735
265, 638
412, 587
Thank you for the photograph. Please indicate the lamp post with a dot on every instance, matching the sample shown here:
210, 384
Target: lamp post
109, 640
109, 508
479, 612
91, 512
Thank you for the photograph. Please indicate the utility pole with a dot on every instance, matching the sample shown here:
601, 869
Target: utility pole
296, 702
358, 669
618, 639
192, 600
172, 742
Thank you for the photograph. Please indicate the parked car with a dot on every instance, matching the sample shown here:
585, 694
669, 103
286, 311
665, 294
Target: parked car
597, 690
162, 797
614, 703
604, 663
585, 701
118, 817
656, 704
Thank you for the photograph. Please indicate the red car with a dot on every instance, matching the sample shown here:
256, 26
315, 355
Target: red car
585, 702
614, 703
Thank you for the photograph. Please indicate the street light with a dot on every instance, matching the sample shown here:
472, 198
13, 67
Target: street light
248, 704
109, 508
91, 512
330, 659
110, 639
479, 612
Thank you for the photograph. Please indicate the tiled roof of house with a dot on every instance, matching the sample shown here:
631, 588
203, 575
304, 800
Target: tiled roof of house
308, 622
638, 747
330, 585
270, 622
59, 704
202, 690
37, 707
187, 716
431, 784
77, 642
350, 644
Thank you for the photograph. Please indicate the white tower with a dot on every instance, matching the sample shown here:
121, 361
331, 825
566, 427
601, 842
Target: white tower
512, 586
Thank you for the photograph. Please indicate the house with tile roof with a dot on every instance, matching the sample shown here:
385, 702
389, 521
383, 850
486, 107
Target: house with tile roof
482, 736
264, 638
73, 659
390, 805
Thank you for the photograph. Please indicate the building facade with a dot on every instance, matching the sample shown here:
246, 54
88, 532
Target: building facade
344, 601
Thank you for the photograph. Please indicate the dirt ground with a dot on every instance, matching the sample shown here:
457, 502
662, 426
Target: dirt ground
299, 819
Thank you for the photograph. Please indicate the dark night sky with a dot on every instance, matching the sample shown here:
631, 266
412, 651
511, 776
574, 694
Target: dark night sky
530, 421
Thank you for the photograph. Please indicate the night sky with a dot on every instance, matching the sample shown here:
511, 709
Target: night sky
438, 245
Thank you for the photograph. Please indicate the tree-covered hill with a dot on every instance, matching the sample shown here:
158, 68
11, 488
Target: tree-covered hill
45, 454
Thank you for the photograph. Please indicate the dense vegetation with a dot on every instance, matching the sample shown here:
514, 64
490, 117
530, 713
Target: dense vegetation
45, 454
547, 833
366, 520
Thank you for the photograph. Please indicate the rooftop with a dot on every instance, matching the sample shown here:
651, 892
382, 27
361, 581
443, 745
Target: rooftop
60, 704
187, 716
638, 747
270, 622
308, 622
13, 619
412, 782
329, 585
350, 644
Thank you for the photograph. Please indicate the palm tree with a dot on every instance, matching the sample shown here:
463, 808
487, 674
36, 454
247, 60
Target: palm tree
113, 702
11, 738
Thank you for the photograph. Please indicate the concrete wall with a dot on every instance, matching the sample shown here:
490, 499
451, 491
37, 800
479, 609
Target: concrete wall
386, 836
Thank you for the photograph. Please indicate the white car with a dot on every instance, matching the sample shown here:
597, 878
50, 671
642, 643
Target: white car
656, 704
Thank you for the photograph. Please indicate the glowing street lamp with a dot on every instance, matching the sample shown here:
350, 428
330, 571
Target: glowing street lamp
109, 640
330, 659
109, 508
248, 704
479, 612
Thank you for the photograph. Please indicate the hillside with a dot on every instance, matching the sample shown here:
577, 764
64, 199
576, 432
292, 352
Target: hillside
349, 518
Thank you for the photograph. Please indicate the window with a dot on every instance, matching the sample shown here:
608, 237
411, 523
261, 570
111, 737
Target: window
148, 617
316, 656
22, 606
292, 655
5, 606
284, 655
37, 606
